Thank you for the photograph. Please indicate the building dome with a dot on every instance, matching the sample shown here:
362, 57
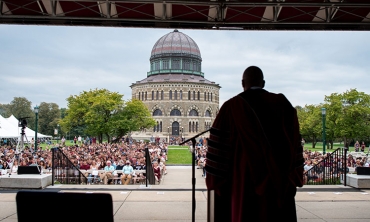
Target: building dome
175, 53
175, 43
182, 102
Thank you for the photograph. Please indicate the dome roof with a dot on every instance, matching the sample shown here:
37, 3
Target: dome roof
175, 42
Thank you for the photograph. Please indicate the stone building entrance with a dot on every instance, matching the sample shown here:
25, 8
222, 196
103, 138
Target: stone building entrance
175, 128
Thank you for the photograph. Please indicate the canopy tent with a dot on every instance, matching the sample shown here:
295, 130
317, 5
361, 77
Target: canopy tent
7, 130
190, 14
10, 129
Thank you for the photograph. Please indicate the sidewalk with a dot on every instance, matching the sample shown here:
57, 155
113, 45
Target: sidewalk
171, 200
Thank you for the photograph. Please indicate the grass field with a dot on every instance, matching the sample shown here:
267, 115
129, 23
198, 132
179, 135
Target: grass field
319, 147
179, 155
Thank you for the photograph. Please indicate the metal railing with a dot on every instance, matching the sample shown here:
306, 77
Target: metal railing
64, 171
329, 171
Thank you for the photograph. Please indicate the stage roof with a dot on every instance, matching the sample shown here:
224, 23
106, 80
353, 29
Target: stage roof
201, 14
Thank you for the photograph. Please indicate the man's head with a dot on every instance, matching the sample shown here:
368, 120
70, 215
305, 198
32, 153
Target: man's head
108, 163
252, 76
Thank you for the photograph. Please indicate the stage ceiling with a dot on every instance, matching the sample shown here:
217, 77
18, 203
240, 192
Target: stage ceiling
201, 14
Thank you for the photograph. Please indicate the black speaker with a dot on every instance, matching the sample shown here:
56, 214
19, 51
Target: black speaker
363, 170
29, 170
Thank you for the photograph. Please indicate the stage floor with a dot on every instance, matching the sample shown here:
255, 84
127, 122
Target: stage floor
25, 181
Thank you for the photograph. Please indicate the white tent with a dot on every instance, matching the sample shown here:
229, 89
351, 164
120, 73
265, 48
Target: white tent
7, 130
12, 128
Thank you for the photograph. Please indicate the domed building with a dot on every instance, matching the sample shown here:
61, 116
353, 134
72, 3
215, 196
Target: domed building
181, 100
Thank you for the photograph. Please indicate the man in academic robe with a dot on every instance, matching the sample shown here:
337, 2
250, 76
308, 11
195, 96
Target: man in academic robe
254, 159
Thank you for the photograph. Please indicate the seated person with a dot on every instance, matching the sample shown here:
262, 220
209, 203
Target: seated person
107, 176
14, 169
120, 167
157, 171
93, 167
126, 173
85, 166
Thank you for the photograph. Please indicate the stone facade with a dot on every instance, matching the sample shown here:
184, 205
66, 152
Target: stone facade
181, 100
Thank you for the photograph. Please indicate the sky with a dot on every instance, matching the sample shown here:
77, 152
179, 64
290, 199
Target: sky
50, 63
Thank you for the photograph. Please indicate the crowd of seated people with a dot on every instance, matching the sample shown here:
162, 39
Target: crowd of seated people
10, 157
119, 156
91, 157
332, 165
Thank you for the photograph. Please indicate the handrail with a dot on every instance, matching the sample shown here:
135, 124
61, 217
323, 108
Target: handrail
329, 171
63, 170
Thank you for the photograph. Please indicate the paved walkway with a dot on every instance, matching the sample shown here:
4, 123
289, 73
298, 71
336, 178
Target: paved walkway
171, 200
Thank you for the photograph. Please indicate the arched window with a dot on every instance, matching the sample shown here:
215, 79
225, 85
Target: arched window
193, 127
193, 95
139, 96
208, 114
189, 126
205, 96
198, 95
146, 95
193, 112
196, 127
160, 126
162, 95
170, 94
152, 95
157, 112
157, 95
175, 94
175, 112
211, 97
189, 95
180, 94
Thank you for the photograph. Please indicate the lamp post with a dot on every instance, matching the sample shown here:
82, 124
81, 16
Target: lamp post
36, 111
168, 131
182, 132
57, 133
323, 112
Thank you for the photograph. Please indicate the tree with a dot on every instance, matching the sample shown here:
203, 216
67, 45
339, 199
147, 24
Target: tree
309, 118
103, 113
5, 110
348, 114
20, 107
134, 116
49, 116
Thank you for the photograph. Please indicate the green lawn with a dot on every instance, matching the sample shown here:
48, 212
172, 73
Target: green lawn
178, 156
319, 147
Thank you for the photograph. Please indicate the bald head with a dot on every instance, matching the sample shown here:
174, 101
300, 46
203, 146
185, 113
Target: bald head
252, 76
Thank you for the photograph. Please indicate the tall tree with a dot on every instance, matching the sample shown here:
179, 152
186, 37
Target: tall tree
49, 116
309, 118
134, 116
20, 107
349, 114
5, 110
100, 112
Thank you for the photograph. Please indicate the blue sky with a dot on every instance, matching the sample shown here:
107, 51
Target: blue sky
50, 63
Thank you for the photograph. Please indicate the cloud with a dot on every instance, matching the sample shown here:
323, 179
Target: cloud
49, 63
